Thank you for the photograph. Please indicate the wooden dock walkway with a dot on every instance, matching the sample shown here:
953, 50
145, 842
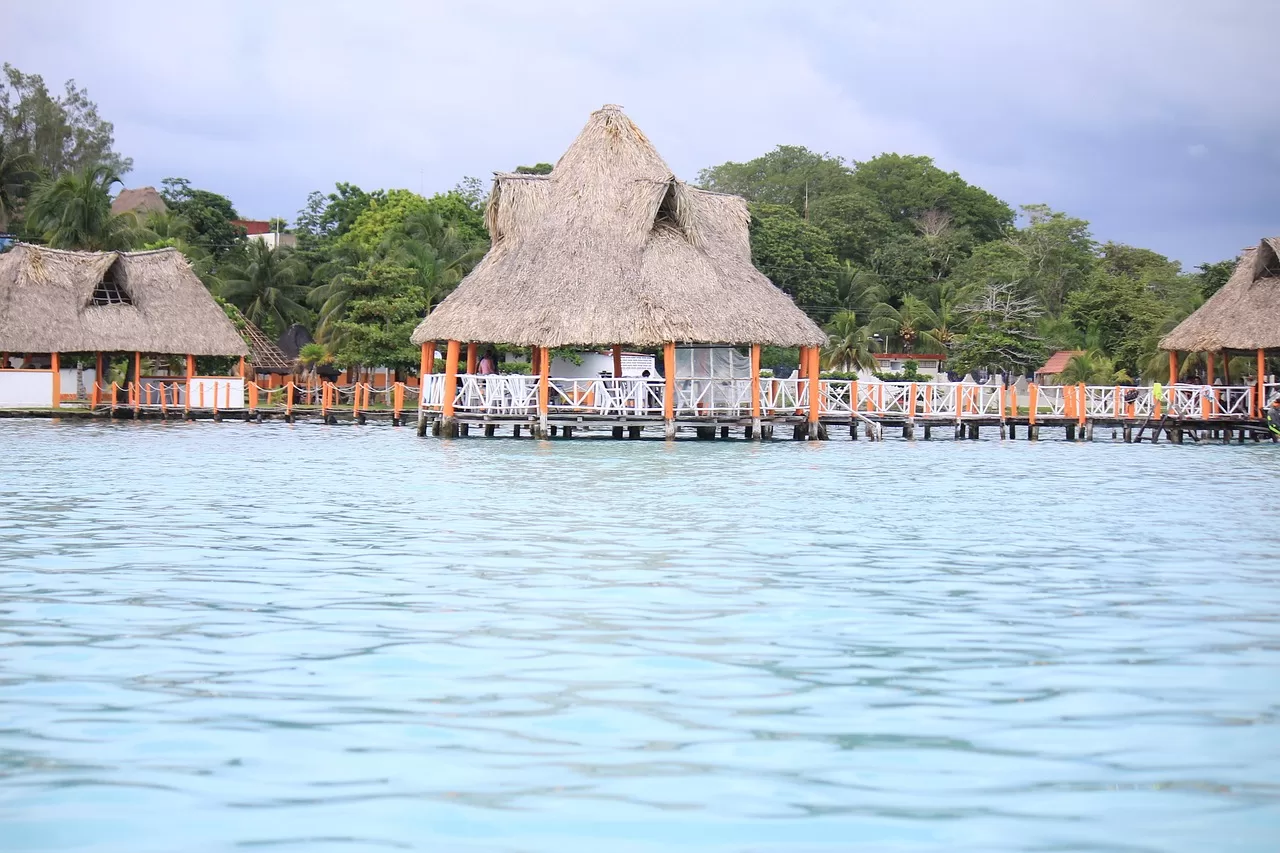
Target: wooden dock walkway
636, 408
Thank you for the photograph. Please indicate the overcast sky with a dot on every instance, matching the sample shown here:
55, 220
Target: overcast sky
1154, 119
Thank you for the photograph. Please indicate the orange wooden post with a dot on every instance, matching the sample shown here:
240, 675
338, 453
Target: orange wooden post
215, 397
56, 371
1082, 403
473, 351
355, 399
1262, 384
137, 377
201, 400
242, 373
1209, 368
544, 389
1173, 367
1034, 392
163, 407
815, 386
911, 406
617, 360
451, 376
1115, 401
426, 365
288, 396
398, 400
253, 396
1205, 407
755, 389
669, 386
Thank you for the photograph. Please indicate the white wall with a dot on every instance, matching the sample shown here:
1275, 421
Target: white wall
67, 379
595, 363
26, 388
220, 385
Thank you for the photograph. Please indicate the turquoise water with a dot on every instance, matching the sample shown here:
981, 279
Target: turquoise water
218, 637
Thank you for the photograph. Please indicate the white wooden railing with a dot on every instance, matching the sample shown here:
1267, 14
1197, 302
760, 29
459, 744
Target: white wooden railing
643, 398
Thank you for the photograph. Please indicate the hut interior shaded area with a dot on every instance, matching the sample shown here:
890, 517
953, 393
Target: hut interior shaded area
611, 250
66, 317
1241, 319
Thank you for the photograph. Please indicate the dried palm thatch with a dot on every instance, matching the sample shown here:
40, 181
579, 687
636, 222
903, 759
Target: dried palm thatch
1244, 314
47, 304
264, 355
610, 248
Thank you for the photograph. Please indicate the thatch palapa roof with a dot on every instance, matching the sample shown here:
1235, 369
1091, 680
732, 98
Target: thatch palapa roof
1244, 314
139, 201
48, 304
610, 248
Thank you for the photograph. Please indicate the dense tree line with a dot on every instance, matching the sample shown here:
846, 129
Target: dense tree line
893, 253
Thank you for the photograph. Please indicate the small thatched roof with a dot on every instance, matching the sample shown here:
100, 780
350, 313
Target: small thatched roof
140, 200
264, 355
47, 304
610, 248
1244, 314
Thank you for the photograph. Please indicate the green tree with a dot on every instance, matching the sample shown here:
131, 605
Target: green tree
1214, 275
209, 215
385, 306
62, 134
73, 211
790, 175
913, 324
904, 263
855, 223
17, 175
1001, 333
849, 347
795, 255
326, 218
268, 285
909, 188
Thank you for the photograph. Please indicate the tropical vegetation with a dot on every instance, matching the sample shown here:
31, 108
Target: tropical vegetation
893, 253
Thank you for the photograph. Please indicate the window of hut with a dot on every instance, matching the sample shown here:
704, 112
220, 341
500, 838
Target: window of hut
667, 210
110, 291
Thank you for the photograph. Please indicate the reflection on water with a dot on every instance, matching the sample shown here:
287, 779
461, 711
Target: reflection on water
347, 638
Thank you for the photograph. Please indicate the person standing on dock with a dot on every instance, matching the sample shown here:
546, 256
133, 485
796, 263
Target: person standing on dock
1273, 418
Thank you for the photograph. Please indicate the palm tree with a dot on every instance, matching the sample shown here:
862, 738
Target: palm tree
858, 290
339, 276
73, 211
267, 286
849, 346
914, 324
17, 173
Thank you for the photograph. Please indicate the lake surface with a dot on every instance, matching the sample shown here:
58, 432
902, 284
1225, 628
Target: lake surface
237, 636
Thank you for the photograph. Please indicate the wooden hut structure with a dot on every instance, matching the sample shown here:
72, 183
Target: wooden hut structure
610, 250
94, 303
1243, 318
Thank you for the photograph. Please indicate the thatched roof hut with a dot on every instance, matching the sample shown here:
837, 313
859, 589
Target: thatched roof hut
59, 301
1243, 315
139, 201
611, 248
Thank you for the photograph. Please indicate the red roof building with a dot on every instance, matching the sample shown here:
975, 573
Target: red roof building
1057, 363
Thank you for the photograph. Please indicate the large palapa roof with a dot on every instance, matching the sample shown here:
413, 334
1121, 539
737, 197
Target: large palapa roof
1244, 314
610, 248
47, 304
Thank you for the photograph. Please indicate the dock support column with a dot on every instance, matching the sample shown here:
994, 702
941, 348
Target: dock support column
853, 430
754, 429
472, 357
815, 394
617, 361
909, 430
973, 430
669, 389
617, 432
1071, 432
633, 432
544, 392
928, 432
448, 425
1262, 384
55, 369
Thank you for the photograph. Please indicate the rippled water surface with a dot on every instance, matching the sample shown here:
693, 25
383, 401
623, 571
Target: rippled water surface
347, 638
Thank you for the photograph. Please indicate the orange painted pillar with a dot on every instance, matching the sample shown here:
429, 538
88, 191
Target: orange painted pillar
242, 373
473, 352
1034, 392
451, 376
55, 367
755, 387
137, 378
911, 404
1209, 370
1082, 403
1262, 384
427, 363
1173, 367
288, 396
544, 389
617, 360
815, 385
804, 362
398, 399
669, 386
